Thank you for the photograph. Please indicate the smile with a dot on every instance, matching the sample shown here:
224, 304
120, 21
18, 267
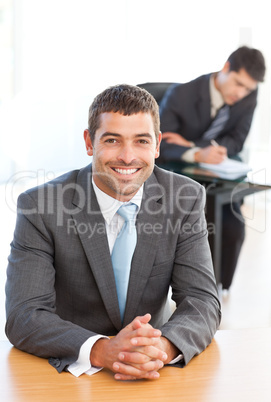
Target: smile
125, 171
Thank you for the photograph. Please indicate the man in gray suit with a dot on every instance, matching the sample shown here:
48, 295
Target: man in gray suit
61, 293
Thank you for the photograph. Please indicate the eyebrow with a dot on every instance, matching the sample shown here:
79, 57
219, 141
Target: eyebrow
109, 134
247, 88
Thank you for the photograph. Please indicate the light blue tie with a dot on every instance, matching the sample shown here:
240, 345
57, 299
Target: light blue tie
122, 253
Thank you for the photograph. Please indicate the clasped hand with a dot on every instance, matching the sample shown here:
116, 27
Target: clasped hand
137, 351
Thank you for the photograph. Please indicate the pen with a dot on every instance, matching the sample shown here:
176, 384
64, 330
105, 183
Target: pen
214, 143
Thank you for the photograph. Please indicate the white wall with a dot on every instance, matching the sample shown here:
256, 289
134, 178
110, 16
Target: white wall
66, 51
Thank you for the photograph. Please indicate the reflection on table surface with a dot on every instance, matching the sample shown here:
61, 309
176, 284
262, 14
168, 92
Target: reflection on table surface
236, 366
194, 171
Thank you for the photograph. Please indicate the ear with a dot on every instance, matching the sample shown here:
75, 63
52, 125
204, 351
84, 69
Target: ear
226, 67
88, 143
157, 150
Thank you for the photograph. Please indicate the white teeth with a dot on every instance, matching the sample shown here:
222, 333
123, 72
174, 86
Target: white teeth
125, 171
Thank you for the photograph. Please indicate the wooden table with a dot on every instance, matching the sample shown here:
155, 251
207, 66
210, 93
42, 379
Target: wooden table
235, 367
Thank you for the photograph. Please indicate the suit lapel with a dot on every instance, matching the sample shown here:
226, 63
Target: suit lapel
95, 243
149, 218
204, 102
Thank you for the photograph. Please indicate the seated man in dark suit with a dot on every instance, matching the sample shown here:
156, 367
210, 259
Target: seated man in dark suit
220, 107
87, 287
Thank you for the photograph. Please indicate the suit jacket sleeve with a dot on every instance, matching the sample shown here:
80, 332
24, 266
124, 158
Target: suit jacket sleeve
197, 315
171, 120
32, 323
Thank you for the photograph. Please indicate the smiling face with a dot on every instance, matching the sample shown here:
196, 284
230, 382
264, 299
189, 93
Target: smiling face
234, 85
123, 153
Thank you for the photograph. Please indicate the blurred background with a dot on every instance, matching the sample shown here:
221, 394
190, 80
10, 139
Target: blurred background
56, 55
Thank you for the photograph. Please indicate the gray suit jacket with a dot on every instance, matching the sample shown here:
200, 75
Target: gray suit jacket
60, 286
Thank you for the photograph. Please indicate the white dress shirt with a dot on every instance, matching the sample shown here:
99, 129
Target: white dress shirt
113, 224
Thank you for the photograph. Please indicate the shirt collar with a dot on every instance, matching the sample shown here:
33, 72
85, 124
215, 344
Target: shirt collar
109, 205
217, 100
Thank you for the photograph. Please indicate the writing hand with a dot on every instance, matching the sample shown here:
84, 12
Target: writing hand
211, 154
174, 138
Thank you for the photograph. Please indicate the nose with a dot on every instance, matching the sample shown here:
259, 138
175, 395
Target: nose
126, 154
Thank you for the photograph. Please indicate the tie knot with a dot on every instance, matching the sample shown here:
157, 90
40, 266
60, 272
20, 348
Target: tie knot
127, 212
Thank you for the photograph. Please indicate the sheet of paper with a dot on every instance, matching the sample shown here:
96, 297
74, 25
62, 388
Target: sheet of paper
228, 166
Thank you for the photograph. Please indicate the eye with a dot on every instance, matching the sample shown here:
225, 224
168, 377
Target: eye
143, 141
111, 140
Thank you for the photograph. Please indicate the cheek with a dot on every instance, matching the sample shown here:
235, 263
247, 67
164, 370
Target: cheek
226, 89
232, 88
104, 154
149, 155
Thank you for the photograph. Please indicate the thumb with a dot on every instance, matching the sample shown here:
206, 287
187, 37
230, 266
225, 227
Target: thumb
138, 321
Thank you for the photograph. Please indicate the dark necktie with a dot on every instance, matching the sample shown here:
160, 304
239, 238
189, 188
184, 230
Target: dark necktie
122, 253
218, 123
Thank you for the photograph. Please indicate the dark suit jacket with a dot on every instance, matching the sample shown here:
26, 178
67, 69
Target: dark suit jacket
60, 286
185, 109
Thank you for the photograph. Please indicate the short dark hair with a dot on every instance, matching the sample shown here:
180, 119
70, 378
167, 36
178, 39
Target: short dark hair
126, 100
251, 60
